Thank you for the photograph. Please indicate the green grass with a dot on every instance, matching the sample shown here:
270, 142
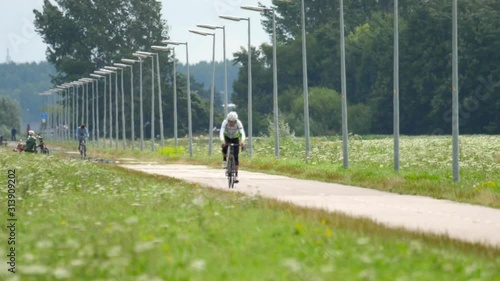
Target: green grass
79, 220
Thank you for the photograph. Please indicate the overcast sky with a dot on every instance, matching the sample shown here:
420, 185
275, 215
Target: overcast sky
25, 45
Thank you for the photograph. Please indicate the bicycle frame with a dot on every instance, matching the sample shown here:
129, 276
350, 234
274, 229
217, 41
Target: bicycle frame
231, 164
82, 147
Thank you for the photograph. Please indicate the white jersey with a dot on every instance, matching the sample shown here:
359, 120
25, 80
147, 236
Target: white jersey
232, 131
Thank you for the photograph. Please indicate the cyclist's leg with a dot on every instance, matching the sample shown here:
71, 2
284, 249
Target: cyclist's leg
224, 152
236, 155
224, 149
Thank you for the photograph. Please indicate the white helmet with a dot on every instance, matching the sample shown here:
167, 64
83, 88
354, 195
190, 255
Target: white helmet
232, 116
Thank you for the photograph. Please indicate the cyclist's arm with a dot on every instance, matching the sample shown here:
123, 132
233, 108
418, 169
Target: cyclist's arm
222, 130
242, 132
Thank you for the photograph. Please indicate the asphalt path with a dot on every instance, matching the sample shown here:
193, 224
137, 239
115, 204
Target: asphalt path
416, 213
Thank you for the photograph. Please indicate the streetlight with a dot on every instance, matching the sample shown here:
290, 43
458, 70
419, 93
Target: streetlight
50, 108
77, 85
455, 109
396, 87
344, 90
212, 89
130, 63
188, 93
90, 80
83, 83
141, 59
103, 73
97, 103
160, 103
110, 108
122, 66
65, 88
214, 27
75, 106
148, 54
115, 69
163, 48
304, 77
249, 70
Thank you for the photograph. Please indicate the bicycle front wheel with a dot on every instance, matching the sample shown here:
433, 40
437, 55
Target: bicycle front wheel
230, 171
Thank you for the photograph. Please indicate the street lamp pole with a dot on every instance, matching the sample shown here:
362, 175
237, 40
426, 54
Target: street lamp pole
190, 126
97, 105
212, 90
163, 48
91, 81
396, 86
249, 86
130, 63
122, 66
275, 77
160, 103
213, 27
175, 97
85, 102
77, 106
103, 73
110, 108
305, 83
152, 96
344, 90
115, 69
455, 109
141, 113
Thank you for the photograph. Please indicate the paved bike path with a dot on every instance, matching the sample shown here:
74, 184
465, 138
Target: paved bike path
418, 213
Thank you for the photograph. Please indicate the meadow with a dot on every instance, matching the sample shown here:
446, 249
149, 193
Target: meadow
85, 220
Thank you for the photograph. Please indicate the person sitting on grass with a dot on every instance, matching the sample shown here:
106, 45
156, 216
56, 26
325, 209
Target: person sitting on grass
20, 146
30, 142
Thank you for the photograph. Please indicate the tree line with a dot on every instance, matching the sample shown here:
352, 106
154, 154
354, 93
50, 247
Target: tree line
83, 36
425, 67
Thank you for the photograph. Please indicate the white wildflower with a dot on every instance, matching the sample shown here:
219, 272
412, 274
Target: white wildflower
292, 265
198, 265
36, 269
114, 251
143, 246
199, 201
132, 220
62, 273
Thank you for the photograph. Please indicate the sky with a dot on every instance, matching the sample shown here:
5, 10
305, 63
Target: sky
18, 35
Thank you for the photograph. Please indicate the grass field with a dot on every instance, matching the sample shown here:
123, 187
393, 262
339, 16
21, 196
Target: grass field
78, 220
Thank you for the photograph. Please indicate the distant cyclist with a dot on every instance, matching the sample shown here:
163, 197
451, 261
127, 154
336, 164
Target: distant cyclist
82, 134
231, 131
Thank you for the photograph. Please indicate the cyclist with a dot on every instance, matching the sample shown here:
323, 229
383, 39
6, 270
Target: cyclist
81, 133
231, 131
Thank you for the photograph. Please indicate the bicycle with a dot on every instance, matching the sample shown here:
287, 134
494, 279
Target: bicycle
42, 146
82, 148
231, 164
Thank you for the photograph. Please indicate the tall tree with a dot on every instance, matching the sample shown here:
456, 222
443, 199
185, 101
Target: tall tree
85, 35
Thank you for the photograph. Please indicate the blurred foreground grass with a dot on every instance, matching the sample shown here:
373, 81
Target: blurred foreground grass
78, 220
